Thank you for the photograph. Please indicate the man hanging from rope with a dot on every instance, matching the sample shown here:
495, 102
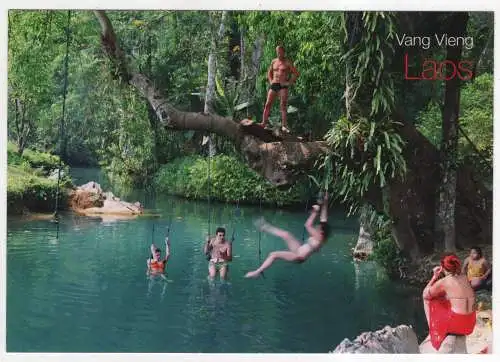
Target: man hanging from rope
297, 252
277, 74
219, 251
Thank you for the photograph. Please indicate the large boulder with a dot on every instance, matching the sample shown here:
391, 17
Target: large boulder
401, 339
89, 199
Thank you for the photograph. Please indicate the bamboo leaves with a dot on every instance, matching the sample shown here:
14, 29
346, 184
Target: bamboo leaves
365, 154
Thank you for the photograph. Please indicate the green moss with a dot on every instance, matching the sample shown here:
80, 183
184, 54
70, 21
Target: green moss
27, 183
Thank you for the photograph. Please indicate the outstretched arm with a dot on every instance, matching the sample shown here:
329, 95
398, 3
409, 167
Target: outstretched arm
324, 209
153, 248
167, 248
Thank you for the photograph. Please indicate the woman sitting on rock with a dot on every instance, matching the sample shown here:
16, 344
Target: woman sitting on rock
449, 304
478, 269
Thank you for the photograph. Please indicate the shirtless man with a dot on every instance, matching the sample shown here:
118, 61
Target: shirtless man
297, 253
277, 74
220, 252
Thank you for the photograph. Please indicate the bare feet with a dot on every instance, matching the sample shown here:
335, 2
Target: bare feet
285, 129
252, 274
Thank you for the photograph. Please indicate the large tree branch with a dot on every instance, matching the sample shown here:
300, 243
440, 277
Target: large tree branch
278, 160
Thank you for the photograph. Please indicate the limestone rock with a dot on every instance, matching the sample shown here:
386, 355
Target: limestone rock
451, 344
401, 339
89, 199
364, 246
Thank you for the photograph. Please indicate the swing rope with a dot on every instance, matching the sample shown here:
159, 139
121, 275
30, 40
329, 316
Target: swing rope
209, 180
62, 139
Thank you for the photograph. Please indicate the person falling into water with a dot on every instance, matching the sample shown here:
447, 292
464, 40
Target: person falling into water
297, 252
156, 265
279, 71
220, 252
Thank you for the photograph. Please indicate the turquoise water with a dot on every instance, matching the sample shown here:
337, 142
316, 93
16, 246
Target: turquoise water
85, 289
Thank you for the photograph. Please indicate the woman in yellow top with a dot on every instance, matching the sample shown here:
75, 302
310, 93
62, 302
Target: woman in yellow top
477, 268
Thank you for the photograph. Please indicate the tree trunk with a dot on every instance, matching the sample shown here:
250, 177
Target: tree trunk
412, 202
364, 244
212, 66
212, 73
23, 126
445, 223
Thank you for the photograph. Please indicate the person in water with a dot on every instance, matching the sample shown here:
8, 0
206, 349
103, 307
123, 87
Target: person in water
157, 265
278, 75
296, 252
449, 304
219, 252
478, 269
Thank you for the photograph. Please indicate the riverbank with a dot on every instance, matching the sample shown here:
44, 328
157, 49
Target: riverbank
32, 181
481, 340
226, 179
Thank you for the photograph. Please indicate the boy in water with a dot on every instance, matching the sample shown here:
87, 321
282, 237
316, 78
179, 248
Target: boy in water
297, 252
220, 252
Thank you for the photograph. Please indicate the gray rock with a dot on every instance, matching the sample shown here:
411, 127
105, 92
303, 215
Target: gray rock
401, 339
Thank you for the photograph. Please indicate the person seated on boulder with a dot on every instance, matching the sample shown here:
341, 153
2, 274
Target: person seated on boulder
478, 269
156, 265
219, 252
449, 302
297, 252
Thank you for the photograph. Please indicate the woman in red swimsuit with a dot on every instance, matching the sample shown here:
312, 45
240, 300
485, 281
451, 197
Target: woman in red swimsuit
449, 302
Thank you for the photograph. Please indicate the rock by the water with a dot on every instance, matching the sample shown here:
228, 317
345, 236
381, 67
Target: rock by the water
364, 246
401, 339
89, 199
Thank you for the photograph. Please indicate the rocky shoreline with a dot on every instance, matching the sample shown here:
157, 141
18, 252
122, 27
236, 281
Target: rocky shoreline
403, 339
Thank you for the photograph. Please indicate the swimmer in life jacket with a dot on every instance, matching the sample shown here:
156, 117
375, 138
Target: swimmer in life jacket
157, 265
297, 253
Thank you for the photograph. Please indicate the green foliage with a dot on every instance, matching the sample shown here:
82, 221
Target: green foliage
386, 253
364, 154
44, 161
372, 55
476, 119
230, 181
27, 182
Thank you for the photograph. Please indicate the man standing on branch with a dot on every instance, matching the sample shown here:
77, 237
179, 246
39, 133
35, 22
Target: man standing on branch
278, 76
